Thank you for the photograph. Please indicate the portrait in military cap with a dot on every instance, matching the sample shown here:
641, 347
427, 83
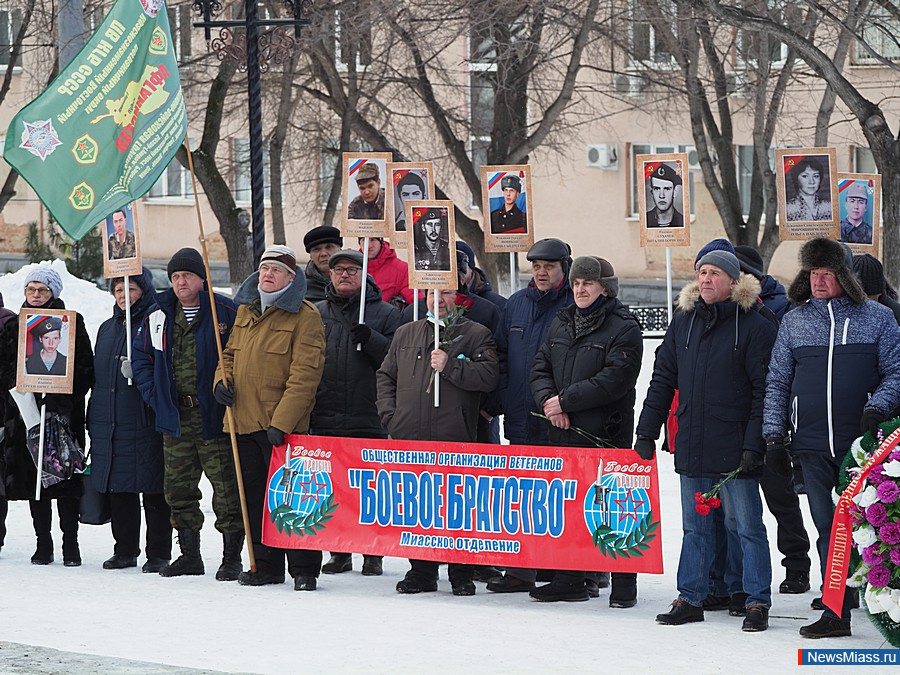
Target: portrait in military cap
432, 244
363, 192
45, 345
859, 197
506, 192
664, 185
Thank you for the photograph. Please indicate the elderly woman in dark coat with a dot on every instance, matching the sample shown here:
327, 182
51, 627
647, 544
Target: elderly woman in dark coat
43, 287
126, 450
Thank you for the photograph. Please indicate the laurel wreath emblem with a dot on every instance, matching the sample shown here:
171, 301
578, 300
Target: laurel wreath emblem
289, 522
627, 546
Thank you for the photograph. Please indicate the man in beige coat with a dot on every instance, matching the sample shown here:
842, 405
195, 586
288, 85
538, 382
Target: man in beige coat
273, 361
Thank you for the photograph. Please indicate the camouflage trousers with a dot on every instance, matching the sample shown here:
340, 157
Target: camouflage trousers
185, 459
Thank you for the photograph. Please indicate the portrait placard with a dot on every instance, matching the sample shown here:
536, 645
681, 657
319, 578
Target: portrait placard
46, 354
362, 186
664, 200
807, 193
432, 245
409, 181
859, 195
121, 243
508, 213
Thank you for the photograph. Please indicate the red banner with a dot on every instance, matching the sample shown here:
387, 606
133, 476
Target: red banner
842, 529
508, 505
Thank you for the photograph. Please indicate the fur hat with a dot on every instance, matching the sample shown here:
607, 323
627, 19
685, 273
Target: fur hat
725, 261
824, 252
46, 275
870, 273
187, 260
595, 269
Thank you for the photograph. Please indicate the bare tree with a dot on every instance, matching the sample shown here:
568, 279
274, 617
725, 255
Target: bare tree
882, 140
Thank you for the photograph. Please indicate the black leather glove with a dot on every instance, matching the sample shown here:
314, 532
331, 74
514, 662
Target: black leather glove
870, 421
645, 447
751, 461
275, 436
223, 394
360, 333
777, 459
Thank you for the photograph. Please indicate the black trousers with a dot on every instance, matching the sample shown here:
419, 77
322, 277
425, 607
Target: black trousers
4, 509
783, 503
125, 508
255, 452
66, 507
428, 569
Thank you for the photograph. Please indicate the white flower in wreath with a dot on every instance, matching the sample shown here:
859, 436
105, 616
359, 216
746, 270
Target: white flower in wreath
859, 455
864, 536
858, 578
867, 497
892, 468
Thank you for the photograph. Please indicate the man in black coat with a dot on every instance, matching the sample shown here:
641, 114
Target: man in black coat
346, 398
584, 376
715, 353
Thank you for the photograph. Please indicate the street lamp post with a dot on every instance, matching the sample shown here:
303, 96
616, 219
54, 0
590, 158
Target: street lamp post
253, 52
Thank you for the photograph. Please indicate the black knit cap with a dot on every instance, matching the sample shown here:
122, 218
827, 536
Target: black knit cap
870, 272
323, 234
187, 260
750, 259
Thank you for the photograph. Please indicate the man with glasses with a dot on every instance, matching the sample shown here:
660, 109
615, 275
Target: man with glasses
272, 366
345, 401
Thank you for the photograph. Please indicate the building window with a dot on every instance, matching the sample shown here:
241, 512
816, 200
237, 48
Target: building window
10, 22
744, 168
180, 26
880, 31
750, 43
174, 183
240, 159
645, 49
347, 31
637, 182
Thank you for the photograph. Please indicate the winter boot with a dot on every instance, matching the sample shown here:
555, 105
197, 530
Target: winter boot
231, 566
189, 562
372, 566
795, 582
757, 619
682, 612
338, 563
68, 509
624, 590
43, 554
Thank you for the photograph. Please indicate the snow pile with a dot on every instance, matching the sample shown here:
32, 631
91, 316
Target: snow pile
93, 303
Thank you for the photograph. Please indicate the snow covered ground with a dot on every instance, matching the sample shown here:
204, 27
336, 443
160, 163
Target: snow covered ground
360, 624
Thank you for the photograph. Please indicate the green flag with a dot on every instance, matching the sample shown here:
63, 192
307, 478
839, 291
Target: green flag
105, 129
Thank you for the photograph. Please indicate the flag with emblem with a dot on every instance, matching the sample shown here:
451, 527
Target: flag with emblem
106, 128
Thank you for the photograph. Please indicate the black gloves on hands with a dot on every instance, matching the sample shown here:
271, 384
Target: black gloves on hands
751, 461
645, 447
777, 459
275, 436
360, 333
224, 394
870, 421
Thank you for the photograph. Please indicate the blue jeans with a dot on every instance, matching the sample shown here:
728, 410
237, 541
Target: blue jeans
742, 508
820, 474
727, 566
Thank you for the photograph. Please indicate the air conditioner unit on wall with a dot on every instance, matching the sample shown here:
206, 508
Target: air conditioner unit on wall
602, 156
629, 85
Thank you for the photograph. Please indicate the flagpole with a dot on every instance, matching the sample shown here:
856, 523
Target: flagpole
416, 304
437, 345
215, 318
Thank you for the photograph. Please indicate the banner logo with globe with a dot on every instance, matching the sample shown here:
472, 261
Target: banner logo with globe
300, 495
618, 513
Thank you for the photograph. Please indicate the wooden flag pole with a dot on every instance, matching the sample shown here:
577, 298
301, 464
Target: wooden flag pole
215, 317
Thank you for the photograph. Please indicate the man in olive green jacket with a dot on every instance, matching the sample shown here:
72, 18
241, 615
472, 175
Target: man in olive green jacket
273, 362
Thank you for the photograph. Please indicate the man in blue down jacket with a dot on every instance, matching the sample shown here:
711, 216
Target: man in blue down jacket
834, 374
715, 353
346, 398
584, 376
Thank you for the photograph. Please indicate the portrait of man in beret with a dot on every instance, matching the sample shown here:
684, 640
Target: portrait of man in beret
661, 184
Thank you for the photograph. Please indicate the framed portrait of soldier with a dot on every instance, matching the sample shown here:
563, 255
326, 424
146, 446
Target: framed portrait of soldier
363, 179
410, 181
859, 199
431, 244
46, 350
121, 243
664, 199
506, 197
807, 193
